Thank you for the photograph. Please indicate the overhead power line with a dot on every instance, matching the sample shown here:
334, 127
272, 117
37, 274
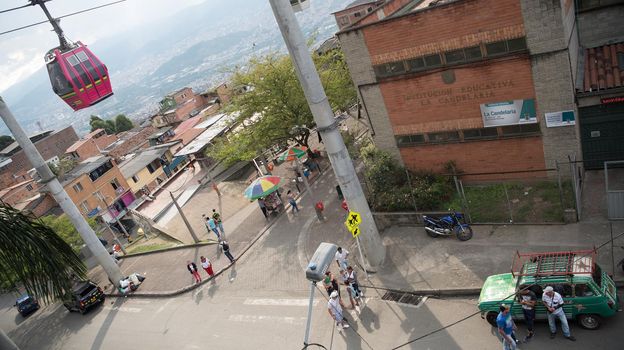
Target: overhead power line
67, 15
15, 8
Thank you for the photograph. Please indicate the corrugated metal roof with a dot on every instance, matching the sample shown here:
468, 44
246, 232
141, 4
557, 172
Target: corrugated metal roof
132, 166
215, 129
604, 68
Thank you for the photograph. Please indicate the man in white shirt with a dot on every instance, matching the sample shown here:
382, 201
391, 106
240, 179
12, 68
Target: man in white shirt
554, 306
335, 310
341, 258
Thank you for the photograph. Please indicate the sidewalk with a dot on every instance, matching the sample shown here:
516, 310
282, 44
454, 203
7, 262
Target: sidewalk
414, 261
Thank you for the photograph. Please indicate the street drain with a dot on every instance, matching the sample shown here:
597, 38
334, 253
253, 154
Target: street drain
403, 298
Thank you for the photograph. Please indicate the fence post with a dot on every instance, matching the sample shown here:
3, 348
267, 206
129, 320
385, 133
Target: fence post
465, 201
560, 189
459, 193
575, 187
511, 219
409, 183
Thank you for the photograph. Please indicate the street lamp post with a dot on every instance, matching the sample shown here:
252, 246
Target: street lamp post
373, 248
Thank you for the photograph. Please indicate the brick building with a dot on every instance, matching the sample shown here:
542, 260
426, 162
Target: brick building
467, 80
98, 188
355, 11
50, 144
90, 145
600, 81
177, 107
129, 141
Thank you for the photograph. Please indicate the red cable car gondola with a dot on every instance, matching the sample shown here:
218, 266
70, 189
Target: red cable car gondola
77, 76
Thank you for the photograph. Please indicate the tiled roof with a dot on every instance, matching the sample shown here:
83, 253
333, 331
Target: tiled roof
603, 70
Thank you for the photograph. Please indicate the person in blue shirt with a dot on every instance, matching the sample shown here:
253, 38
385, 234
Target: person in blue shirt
506, 327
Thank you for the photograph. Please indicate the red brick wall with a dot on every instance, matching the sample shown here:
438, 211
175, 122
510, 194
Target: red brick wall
388, 9
425, 103
51, 146
480, 157
453, 21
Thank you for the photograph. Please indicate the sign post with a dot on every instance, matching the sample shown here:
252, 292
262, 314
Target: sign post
354, 219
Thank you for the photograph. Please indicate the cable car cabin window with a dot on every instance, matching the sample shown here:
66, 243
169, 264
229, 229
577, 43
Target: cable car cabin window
60, 84
85, 61
73, 60
97, 63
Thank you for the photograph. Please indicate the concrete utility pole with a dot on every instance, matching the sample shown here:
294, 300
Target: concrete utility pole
374, 251
58, 192
186, 222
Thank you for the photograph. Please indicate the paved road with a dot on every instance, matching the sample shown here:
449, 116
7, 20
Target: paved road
262, 304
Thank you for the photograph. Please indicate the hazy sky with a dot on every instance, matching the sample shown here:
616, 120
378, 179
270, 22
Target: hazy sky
21, 52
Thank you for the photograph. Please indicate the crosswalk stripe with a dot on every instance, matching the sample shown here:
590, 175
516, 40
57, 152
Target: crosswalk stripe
123, 309
256, 318
279, 302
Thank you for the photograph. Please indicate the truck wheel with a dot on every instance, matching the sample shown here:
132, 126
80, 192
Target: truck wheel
589, 321
491, 318
68, 307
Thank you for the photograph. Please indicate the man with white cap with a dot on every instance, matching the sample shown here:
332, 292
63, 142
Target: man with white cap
554, 305
335, 310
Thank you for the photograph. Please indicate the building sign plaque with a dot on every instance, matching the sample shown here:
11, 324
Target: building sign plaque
508, 113
563, 118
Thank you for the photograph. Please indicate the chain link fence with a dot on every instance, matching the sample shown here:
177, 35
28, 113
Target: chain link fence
531, 196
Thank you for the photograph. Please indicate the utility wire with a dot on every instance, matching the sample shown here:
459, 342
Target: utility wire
478, 312
16, 8
67, 15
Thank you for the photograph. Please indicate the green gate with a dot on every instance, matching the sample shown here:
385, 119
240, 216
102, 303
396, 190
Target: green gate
602, 134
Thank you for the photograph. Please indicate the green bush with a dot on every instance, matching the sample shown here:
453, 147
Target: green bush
390, 190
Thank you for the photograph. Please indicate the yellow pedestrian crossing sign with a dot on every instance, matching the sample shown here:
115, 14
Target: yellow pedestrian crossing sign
353, 222
354, 219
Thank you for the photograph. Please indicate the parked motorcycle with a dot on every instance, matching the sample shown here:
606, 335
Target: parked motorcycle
453, 223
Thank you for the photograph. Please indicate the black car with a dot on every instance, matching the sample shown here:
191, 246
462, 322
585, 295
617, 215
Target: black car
26, 304
84, 295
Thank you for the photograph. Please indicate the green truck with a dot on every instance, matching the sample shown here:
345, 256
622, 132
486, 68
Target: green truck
588, 292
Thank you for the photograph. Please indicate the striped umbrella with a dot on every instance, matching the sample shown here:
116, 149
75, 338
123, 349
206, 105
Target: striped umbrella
292, 153
263, 186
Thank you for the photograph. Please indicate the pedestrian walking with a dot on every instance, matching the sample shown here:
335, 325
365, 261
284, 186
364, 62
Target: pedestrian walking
506, 326
554, 306
217, 218
193, 270
291, 200
528, 299
344, 278
353, 282
207, 266
213, 226
262, 205
334, 308
226, 250
341, 258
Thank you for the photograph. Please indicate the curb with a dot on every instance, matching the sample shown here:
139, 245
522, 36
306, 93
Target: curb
194, 286
200, 244
433, 292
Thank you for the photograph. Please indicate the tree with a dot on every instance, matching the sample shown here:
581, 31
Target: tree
64, 165
32, 254
5, 140
98, 123
66, 230
123, 123
273, 108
